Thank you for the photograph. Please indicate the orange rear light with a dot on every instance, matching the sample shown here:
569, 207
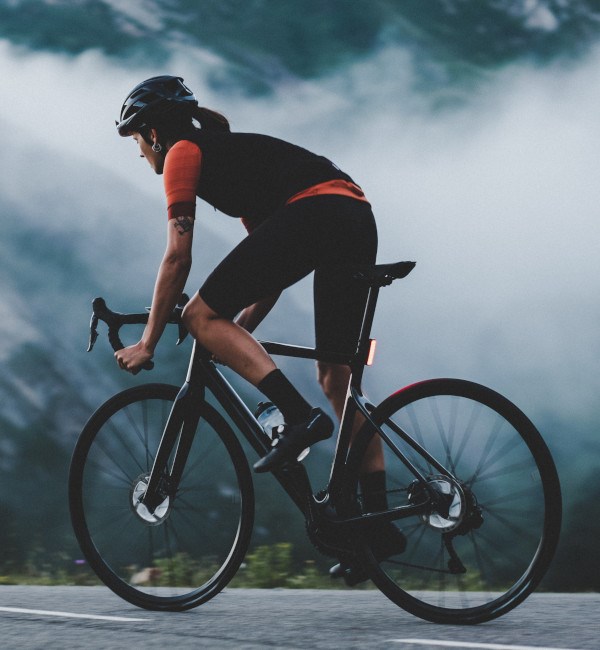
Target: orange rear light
371, 355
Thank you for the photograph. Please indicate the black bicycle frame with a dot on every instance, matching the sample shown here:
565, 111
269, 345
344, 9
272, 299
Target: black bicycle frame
203, 375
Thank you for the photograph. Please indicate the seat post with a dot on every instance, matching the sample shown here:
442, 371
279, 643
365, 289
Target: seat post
362, 348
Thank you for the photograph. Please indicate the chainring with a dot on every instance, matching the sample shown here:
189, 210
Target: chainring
326, 540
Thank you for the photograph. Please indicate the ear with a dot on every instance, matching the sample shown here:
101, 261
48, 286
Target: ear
154, 135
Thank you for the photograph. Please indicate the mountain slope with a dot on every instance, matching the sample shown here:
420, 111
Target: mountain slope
265, 43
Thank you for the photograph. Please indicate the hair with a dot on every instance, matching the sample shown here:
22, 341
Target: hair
176, 124
210, 120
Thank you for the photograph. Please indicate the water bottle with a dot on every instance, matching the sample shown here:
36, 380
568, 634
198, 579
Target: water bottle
270, 417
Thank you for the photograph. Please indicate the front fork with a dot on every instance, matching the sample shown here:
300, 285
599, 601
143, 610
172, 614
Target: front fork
176, 440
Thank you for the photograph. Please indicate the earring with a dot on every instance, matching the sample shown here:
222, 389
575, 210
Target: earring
156, 147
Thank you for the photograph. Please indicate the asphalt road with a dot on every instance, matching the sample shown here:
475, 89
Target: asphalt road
92, 617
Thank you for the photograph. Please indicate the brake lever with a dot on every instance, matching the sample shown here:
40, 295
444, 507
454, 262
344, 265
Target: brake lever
93, 332
115, 320
182, 329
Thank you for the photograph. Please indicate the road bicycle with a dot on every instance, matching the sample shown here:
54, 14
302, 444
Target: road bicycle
162, 501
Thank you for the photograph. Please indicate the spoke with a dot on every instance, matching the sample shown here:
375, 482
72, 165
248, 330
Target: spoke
169, 553
504, 498
418, 434
112, 457
508, 447
520, 532
123, 480
442, 431
105, 521
527, 515
479, 559
202, 458
146, 441
118, 437
415, 566
517, 467
190, 507
462, 590
503, 550
441, 575
151, 554
470, 428
141, 435
487, 449
412, 454
418, 541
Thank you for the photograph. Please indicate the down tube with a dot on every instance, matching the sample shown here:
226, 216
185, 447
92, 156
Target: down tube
249, 427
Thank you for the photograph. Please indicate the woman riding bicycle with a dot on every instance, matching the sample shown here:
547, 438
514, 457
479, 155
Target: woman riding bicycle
302, 214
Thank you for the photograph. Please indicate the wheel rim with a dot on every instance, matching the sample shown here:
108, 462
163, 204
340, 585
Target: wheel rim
180, 551
494, 547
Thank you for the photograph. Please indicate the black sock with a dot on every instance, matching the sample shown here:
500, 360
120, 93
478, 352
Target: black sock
374, 491
287, 399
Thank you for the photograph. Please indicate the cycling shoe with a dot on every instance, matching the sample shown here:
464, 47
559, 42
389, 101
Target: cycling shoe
388, 541
290, 440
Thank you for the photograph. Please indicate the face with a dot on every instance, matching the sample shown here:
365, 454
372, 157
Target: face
155, 160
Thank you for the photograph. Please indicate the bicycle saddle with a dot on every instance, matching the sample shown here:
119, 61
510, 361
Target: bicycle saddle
380, 275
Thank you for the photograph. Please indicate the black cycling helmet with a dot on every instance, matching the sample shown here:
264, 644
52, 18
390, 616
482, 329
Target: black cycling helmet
151, 100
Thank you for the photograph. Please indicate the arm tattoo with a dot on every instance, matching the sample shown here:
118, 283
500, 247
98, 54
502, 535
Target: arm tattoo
183, 224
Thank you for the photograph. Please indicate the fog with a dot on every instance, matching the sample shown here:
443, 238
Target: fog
491, 189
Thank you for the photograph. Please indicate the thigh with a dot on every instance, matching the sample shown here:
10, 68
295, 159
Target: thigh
279, 253
339, 299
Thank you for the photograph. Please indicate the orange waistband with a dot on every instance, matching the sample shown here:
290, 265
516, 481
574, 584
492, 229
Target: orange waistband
338, 186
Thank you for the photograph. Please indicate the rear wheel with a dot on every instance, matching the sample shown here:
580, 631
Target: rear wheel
489, 540
189, 548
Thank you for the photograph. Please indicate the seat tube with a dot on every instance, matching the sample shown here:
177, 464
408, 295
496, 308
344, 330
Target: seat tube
357, 367
362, 348
343, 442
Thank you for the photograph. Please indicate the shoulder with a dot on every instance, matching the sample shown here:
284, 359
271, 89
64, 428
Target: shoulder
184, 154
184, 148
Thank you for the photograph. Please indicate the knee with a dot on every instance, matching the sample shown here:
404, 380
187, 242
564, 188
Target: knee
197, 315
333, 378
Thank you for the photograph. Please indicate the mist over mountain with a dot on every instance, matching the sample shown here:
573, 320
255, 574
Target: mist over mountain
472, 128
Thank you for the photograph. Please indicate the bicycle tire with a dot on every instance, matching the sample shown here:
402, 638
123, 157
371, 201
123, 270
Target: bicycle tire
504, 468
189, 555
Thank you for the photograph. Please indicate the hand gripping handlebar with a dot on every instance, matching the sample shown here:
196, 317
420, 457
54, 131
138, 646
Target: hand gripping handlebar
115, 320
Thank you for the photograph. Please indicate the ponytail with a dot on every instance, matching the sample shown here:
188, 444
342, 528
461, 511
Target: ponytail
210, 120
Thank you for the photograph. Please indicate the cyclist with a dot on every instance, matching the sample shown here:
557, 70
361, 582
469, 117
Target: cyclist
302, 214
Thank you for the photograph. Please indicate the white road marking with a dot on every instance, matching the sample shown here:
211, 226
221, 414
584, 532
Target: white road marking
468, 644
44, 612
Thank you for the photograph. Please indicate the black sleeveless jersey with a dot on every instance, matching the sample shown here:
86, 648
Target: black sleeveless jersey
251, 175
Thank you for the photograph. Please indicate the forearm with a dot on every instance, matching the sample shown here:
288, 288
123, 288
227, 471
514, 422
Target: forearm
170, 282
253, 315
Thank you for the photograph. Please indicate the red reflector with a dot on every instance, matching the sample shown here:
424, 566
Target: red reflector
371, 356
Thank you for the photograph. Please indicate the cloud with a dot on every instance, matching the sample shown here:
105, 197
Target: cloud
494, 195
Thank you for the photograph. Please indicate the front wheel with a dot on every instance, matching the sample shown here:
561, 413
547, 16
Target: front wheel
192, 545
488, 540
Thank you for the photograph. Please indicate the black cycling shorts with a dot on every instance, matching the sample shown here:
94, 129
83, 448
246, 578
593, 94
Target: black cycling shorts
326, 234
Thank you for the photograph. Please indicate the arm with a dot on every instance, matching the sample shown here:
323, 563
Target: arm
170, 281
251, 317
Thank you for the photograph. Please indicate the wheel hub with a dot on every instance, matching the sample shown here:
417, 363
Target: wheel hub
151, 518
448, 503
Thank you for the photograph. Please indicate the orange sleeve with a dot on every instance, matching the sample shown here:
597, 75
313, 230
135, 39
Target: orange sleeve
181, 174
